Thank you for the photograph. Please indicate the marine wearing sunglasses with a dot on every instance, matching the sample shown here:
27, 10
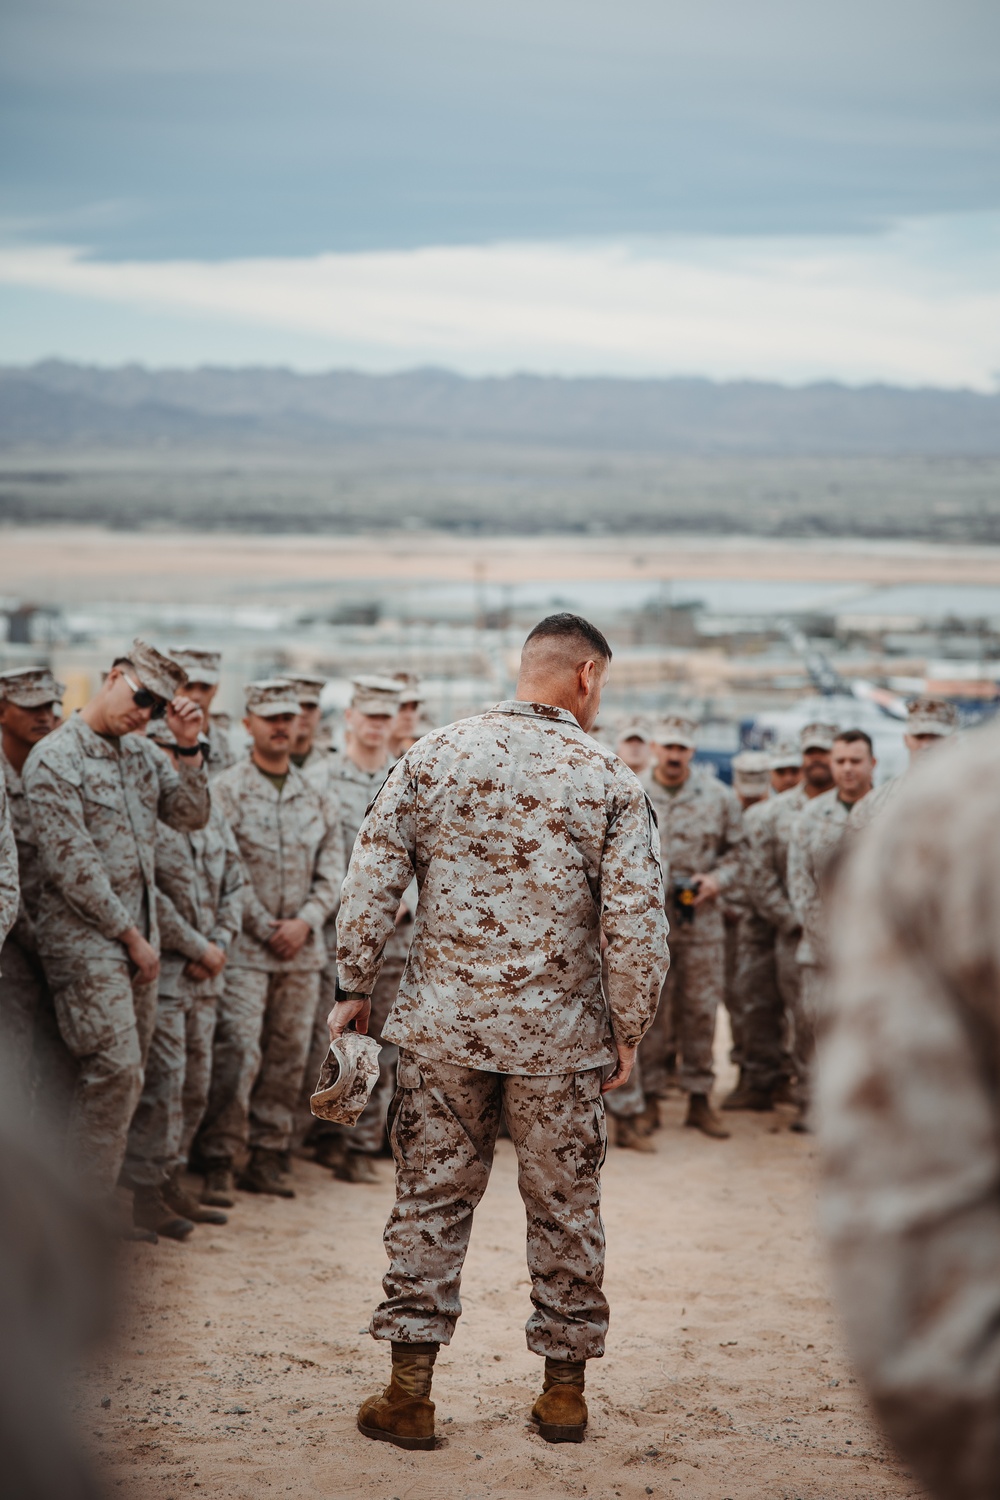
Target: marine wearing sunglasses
123, 705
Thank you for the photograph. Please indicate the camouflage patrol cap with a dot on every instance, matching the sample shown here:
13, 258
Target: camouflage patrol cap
308, 690
752, 771
817, 737
30, 687
409, 687
200, 663
375, 695
270, 697
634, 727
676, 729
156, 672
931, 716
346, 1079
784, 755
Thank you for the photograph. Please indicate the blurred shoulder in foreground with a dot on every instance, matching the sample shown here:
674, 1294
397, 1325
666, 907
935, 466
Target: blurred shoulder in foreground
909, 1116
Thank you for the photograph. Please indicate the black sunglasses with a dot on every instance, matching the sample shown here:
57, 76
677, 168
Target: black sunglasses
143, 698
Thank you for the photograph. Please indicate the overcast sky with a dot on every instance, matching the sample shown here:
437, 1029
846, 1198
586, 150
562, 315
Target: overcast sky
775, 187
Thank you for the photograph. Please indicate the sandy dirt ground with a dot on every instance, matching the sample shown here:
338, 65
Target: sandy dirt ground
244, 1353
77, 564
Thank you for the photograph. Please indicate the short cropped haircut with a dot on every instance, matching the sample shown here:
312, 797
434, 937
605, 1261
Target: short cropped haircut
569, 626
853, 737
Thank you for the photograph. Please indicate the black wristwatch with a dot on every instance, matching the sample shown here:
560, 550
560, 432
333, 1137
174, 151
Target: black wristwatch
187, 750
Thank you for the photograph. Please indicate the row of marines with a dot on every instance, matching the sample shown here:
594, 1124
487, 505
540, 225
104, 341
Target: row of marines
744, 875
168, 968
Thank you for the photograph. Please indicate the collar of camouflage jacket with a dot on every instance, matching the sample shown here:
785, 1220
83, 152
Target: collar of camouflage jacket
536, 711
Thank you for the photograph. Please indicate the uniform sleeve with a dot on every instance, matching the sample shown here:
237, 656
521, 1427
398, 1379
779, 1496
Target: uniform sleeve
381, 868
69, 858
633, 916
257, 920
729, 854
907, 1109
766, 893
10, 888
328, 875
184, 801
229, 914
802, 890
176, 934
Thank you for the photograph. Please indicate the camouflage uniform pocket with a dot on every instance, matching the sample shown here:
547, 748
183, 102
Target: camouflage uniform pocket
407, 1120
92, 1012
590, 1124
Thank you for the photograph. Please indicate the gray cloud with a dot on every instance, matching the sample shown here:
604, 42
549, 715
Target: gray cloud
217, 128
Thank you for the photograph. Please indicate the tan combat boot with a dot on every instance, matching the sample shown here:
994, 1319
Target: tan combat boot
186, 1204
630, 1138
220, 1188
356, 1166
263, 1174
560, 1412
150, 1210
745, 1096
404, 1413
701, 1116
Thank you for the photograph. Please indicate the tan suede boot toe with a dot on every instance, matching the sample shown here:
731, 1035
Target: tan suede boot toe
404, 1413
561, 1410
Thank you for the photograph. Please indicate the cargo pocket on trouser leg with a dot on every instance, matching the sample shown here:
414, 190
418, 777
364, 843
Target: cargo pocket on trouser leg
406, 1118
92, 1012
590, 1124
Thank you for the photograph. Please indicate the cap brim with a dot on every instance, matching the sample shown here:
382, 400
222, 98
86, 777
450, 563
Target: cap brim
274, 710
36, 698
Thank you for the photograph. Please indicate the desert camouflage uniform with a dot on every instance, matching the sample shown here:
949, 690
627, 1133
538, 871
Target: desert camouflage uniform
776, 983
22, 982
524, 835
817, 832
752, 995
94, 803
701, 831
221, 754
199, 894
292, 851
908, 1105
355, 790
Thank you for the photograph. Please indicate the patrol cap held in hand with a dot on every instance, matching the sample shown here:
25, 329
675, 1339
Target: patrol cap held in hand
30, 687
409, 687
817, 737
375, 695
200, 663
308, 690
752, 771
784, 755
270, 697
931, 716
346, 1079
676, 729
156, 672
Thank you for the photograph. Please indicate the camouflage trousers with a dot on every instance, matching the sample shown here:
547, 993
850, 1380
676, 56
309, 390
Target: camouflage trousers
369, 1134
807, 1018
685, 1018
791, 975
263, 1028
175, 1090
756, 1009
443, 1130
106, 1021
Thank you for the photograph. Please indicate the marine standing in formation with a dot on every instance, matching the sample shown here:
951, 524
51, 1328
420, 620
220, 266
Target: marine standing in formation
290, 841
701, 838
199, 906
95, 790
29, 697
526, 838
